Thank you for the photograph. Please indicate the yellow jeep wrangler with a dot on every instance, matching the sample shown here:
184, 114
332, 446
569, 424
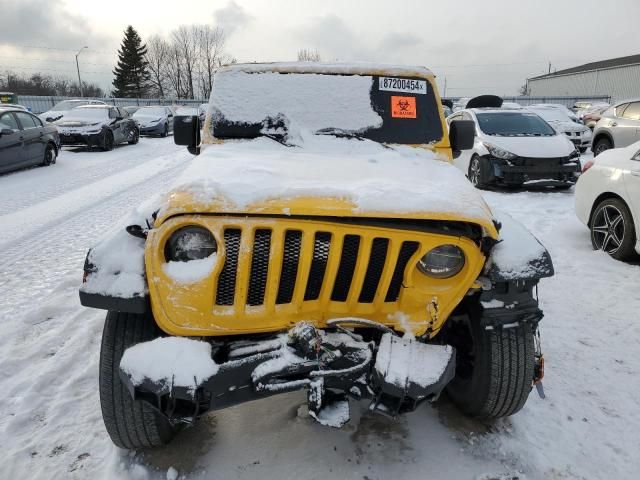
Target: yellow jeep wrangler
322, 241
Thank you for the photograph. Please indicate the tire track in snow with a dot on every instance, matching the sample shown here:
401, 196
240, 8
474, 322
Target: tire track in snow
41, 217
35, 264
77, 171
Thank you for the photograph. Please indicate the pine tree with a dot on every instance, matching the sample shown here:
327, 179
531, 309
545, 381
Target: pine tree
131, 74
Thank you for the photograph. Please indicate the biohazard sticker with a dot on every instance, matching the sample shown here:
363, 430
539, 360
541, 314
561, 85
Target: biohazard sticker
403, 107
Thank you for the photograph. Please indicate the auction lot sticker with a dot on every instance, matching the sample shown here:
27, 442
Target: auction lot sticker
405, 85
403, 107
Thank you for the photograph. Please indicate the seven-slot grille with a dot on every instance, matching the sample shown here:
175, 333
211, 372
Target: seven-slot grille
307, 266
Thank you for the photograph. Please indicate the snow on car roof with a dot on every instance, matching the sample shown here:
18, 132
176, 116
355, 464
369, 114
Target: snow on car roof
93, 107
355, 68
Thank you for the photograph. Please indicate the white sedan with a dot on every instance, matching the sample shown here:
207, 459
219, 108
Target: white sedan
608, 201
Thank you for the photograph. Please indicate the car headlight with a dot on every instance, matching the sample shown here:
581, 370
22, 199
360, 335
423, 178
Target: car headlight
499, 152
190, 243
444, 261
574, 154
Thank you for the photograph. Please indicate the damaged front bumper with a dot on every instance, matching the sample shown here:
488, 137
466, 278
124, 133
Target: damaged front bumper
539, 171
396, 374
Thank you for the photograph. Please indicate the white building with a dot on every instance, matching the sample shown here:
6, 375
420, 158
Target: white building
618, 78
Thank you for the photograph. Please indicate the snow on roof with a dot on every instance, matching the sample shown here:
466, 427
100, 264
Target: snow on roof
355, 68
602, 64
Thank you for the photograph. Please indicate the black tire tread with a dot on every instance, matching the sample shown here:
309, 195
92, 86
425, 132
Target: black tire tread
503, 376
130, 424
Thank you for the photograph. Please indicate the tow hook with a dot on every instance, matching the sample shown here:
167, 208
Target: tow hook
539, 375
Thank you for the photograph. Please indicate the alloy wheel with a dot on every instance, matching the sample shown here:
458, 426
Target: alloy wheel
608, 229
474, 171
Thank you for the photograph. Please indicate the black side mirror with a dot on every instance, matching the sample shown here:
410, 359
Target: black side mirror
49, 119
461, 135
186, 131
6, 131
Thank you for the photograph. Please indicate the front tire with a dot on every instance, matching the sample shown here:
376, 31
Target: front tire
134, 136
49, 155
601, 145
494, 368
165, 132
478, 172
108, 142
612, 229
130, 424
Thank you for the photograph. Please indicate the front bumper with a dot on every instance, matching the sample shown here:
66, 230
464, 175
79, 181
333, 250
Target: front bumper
395, 374
523, 170
152, 130
86, 139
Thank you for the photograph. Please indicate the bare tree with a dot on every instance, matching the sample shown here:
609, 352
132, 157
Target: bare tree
524, 90
210, 42
305, 55
185, 42
157, 57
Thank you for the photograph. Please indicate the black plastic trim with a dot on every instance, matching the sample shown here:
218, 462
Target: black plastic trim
105, 302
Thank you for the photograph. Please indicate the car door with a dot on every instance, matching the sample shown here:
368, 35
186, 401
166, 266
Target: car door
34, 141
626, 126
11, 143
115, 124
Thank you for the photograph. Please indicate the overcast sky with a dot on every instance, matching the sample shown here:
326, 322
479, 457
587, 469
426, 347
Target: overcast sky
488, 46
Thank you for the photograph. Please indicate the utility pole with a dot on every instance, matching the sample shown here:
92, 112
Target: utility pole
444, 94
549, 68
78, 68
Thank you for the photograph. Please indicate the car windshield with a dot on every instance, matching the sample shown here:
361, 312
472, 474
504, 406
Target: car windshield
150, 112
68, 105
87, 114
379, 108
513, 124
551, 114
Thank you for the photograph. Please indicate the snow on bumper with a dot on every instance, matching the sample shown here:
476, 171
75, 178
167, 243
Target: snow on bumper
180, 377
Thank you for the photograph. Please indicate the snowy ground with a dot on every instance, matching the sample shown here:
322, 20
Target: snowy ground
50, 422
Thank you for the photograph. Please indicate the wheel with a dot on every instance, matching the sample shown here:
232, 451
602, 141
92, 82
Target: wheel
601, 145
134, 136
477, 172
130, 424
108, 141
612, 229
165, 131
494, 368
49, 155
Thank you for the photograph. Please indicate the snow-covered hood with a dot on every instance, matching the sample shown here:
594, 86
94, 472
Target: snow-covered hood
328, 177
78, 123
148, 119
534, 147
568, 126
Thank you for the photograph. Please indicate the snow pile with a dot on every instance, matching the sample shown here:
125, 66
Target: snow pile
119, 258
372, 177
254, 97
176, 361
402, 361
335, 415
191, 271
519, 254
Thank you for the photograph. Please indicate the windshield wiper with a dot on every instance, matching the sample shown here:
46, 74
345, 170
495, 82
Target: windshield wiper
340, 133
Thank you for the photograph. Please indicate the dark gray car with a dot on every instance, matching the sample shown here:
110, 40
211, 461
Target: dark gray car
154, 120
25, 140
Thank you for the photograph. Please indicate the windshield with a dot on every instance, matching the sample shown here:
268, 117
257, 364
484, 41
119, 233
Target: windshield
67, 105
150, 112
551, 114
382, 109
87, 114
513, 124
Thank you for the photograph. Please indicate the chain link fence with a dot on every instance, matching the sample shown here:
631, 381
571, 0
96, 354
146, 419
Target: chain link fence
42, 103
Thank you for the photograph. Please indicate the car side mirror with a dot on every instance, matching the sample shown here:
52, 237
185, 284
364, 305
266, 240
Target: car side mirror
461, 135
6, 131
170, 115
49, 119
186, 131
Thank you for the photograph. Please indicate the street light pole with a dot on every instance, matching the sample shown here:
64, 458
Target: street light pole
78, 68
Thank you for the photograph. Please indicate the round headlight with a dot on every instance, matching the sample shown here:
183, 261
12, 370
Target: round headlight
190, 243
442, 262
